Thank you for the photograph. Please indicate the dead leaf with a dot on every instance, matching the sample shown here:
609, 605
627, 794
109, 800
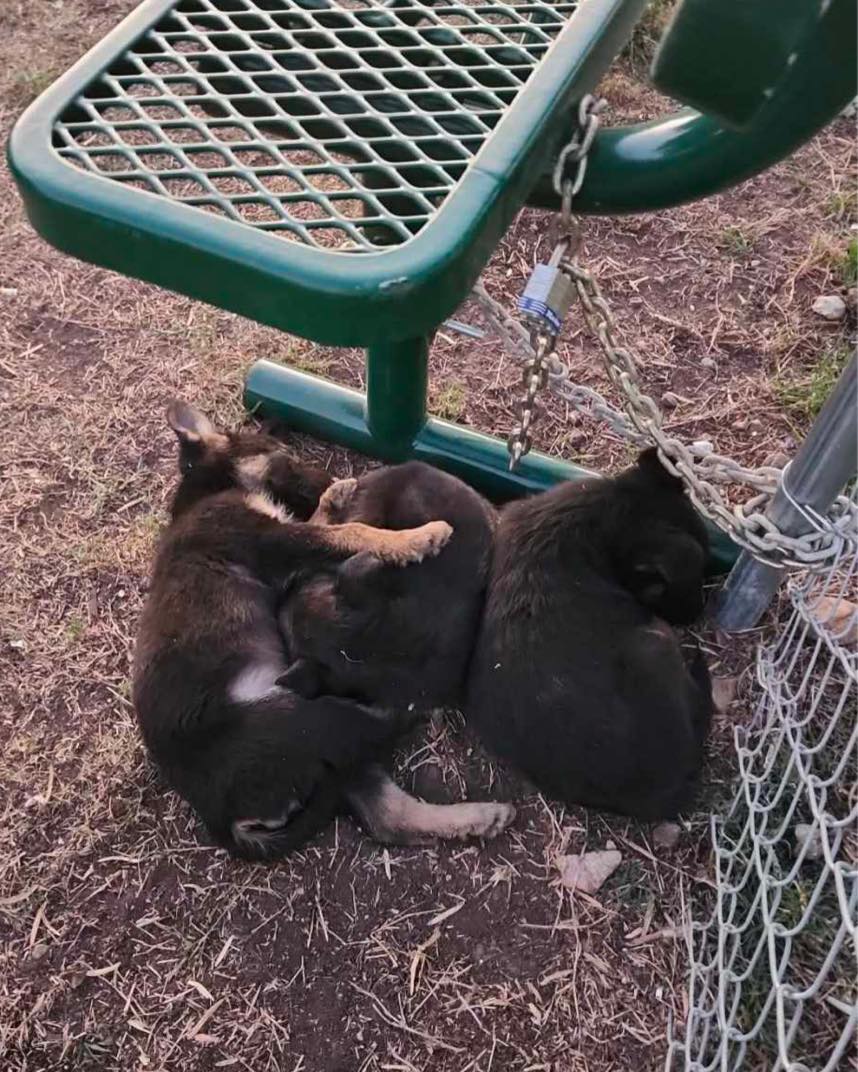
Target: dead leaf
807, 835
723, 693
666, 835
588, 872
838, 618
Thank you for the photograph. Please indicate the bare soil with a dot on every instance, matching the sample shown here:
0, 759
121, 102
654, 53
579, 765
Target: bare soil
126, 942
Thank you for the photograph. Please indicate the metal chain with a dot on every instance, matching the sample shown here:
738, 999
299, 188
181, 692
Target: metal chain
697, 464
537, 363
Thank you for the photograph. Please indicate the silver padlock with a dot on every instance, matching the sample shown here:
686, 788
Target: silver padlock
548, 294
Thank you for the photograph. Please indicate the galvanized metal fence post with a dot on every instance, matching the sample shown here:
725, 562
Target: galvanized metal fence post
823, 466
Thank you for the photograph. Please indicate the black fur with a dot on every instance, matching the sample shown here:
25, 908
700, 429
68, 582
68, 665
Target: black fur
384, 635
576, 679
265, 772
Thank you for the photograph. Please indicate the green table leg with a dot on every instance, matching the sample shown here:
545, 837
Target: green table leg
397, 381
338, 414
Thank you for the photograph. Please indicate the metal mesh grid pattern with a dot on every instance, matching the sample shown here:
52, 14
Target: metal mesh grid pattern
342, 124
773, 968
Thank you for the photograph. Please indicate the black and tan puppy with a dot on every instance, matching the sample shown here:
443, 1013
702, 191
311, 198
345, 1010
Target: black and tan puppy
264, 768
387, 636
577, 679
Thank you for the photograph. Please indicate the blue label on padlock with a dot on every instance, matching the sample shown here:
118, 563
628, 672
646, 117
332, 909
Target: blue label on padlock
532, 307
532, 303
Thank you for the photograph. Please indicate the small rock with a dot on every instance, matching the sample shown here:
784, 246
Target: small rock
723, 692
777, 460
709, 362
666, 835
755, 263
830, 306
806, 835
588, 872
669, 400
8, 292
38, 951
741, 424
702, 447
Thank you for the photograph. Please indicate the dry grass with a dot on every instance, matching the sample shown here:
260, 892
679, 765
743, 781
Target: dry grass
128, 944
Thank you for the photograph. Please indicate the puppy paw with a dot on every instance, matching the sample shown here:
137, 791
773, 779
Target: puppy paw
427, 541
334, 502
487, 820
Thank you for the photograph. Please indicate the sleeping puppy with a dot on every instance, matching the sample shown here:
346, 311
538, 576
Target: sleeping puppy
397, 637
387, 636
263, 768
577, 679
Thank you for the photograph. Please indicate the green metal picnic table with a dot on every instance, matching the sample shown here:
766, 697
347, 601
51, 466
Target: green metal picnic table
343, 169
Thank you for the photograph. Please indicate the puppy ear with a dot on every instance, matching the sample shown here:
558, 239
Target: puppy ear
650, 464
191, 426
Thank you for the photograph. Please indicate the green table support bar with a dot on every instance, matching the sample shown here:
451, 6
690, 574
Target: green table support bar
340, 415
689, 155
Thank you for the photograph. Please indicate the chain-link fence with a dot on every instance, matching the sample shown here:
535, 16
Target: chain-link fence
773, 967
773, 954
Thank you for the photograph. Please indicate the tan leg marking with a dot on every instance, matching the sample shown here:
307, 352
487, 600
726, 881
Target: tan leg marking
391, 815
398, 548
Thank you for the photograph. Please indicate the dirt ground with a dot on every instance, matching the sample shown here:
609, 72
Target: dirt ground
127, 943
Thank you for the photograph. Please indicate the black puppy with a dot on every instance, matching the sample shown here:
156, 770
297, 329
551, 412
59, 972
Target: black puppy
264, 768
383, 635
397, 637
576, 677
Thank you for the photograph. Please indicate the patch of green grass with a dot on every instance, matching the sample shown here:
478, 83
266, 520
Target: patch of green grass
734, 241
309, 362
849, 263
805, 396
843, 205
449, 402
29, 85
75, 628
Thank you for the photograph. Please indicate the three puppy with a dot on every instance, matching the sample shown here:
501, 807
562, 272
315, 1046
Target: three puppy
280, 659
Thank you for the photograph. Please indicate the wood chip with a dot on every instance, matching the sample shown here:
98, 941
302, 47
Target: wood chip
666, 835
588, 872
724, 693
838, 618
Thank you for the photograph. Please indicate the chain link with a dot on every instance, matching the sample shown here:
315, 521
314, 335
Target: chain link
537, 363
697, 464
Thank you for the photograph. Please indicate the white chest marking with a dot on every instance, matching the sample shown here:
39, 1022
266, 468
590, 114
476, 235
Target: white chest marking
255, 682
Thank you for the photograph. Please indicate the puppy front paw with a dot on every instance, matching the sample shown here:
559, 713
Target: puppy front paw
334, 502
428, 540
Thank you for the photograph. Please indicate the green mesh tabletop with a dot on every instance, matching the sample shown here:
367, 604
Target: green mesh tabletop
338, 168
